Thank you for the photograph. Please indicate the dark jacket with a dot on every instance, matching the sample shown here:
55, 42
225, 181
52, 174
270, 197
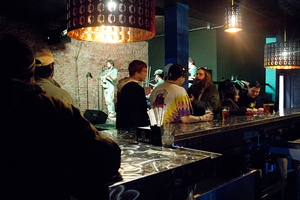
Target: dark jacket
48, 150
210, 97
131, 105
234, 109
245, 101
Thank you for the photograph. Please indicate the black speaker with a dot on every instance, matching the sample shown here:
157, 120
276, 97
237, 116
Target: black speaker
95, 116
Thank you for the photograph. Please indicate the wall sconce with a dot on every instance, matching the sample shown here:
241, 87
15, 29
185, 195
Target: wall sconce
111, 21
233, 19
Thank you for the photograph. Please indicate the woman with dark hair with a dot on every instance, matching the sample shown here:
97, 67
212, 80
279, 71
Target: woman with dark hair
231, 97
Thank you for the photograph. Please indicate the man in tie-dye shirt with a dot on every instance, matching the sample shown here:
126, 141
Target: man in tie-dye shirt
174, 99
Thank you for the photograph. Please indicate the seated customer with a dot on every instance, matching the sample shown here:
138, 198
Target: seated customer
253, 98
204, 93
231, 97
48, 150
174, 99
44, 73
131, 99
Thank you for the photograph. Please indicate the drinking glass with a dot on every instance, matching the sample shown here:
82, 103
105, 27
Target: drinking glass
208, 110
167, 136
266, 109
225, 112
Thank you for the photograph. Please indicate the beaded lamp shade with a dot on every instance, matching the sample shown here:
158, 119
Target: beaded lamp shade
111, 21
233, 19
284, 55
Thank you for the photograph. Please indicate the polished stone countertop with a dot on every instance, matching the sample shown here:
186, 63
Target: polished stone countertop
142, 159
143, 163
192, 130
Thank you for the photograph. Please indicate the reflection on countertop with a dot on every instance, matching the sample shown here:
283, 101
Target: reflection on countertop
141, 159
184, 131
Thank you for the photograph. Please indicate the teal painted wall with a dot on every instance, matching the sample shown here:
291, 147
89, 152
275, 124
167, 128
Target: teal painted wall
156, 54
202, 48
271, 77
241, 54
224, 53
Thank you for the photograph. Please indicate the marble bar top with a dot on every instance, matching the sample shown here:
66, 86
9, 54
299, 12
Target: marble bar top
192, 130
144, 167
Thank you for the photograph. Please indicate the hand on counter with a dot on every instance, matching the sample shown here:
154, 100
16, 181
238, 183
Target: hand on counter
207, 117
251, 111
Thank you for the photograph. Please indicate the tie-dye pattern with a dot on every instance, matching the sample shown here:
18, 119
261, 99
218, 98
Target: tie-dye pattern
173, 99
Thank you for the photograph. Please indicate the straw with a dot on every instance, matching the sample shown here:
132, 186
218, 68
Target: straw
150, 114
159, 116
156, 116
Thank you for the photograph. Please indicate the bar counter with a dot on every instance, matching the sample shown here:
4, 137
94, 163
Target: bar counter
219, 134
206, 152
154, 172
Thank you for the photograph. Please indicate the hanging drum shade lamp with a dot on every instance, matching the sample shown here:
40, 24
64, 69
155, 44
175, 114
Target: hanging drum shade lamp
233, 19
111, 21
282, 55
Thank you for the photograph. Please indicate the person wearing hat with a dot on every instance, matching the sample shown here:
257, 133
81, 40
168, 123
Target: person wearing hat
174, 99
48, 149
44, 72
159, 77
204, 93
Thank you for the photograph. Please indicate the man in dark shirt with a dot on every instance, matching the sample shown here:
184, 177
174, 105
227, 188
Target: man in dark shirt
131, 98
253, 98
48, 150
203, 93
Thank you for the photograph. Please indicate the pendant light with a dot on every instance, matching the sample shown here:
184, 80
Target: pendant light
233, 19
111, 21
282, 55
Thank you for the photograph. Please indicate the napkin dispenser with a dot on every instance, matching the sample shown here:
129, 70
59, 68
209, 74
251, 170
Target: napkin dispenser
149, 134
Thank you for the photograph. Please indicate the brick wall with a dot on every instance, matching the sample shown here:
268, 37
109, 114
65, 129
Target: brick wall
77, 58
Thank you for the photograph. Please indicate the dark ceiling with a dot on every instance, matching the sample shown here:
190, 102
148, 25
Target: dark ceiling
264, 16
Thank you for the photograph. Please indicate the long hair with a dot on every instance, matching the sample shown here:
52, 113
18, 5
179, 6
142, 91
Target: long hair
207, 80
230, 93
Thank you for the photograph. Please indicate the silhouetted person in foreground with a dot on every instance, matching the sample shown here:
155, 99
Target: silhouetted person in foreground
48, 150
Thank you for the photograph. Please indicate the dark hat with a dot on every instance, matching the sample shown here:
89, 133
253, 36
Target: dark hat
16, 58
176, 71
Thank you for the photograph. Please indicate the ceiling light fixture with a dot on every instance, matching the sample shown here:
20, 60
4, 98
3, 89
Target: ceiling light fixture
282, 55
233, 19
111, 21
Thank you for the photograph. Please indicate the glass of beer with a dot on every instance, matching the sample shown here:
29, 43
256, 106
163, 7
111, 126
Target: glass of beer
225, 112
271, 108
208, 110
266, 109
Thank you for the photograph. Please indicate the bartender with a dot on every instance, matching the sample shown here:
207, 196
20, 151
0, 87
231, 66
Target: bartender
174, 99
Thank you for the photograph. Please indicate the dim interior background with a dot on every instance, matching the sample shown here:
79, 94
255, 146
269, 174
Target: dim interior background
223, 53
